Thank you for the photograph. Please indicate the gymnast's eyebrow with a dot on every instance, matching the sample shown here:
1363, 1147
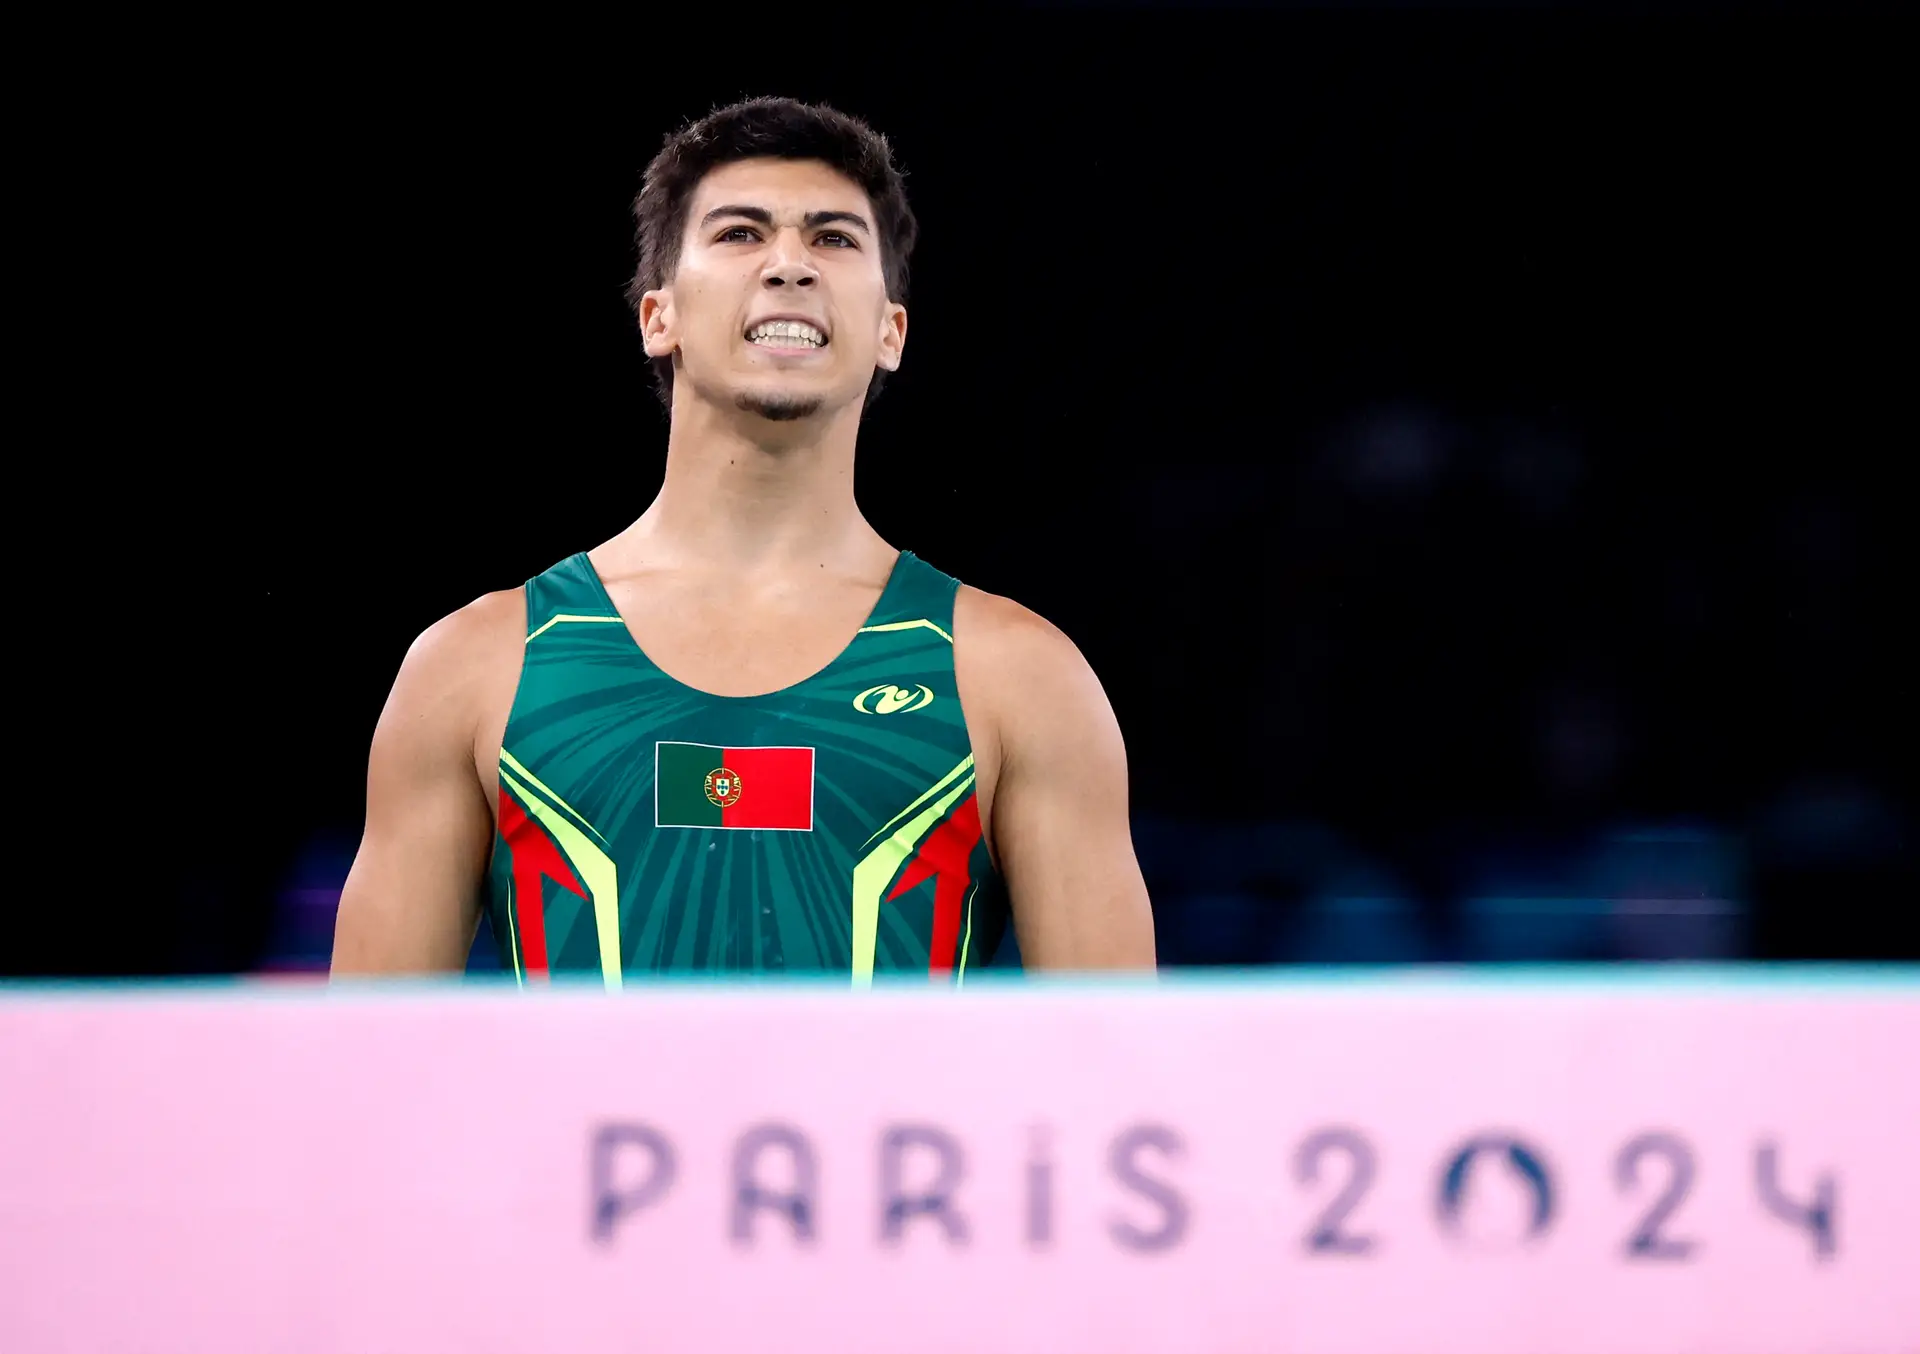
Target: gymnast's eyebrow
765, 217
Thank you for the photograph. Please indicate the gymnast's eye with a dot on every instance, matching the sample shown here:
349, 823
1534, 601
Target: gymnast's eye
846, 241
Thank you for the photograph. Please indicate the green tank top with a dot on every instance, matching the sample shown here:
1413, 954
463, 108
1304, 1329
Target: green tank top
830, 827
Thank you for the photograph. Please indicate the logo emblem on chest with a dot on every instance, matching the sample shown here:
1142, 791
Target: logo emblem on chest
888, 699
723, 787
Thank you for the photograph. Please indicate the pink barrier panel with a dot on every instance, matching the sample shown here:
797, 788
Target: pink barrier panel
1415, 1168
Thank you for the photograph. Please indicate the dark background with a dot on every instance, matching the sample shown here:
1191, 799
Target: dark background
1470, 444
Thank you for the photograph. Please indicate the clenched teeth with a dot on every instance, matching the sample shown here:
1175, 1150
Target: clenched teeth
786, 334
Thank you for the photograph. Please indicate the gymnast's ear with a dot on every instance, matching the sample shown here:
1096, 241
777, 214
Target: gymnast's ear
893, 337
659, 329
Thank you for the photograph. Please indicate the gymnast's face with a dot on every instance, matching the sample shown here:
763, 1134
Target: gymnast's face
778, 305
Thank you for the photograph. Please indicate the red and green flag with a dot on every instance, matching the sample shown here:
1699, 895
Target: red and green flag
699, 785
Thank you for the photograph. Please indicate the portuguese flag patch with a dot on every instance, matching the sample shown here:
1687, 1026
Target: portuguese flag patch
698, 785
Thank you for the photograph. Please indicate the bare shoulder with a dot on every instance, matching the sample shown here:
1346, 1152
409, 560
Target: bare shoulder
1033, 678
988, 618
455, 669
488, 626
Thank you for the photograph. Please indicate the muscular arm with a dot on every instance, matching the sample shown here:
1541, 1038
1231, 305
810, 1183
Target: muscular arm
411, 901
1058, 816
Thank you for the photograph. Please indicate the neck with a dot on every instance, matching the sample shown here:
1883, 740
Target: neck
757, 494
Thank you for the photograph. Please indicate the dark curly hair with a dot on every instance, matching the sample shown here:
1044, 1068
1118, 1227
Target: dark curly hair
779, 129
